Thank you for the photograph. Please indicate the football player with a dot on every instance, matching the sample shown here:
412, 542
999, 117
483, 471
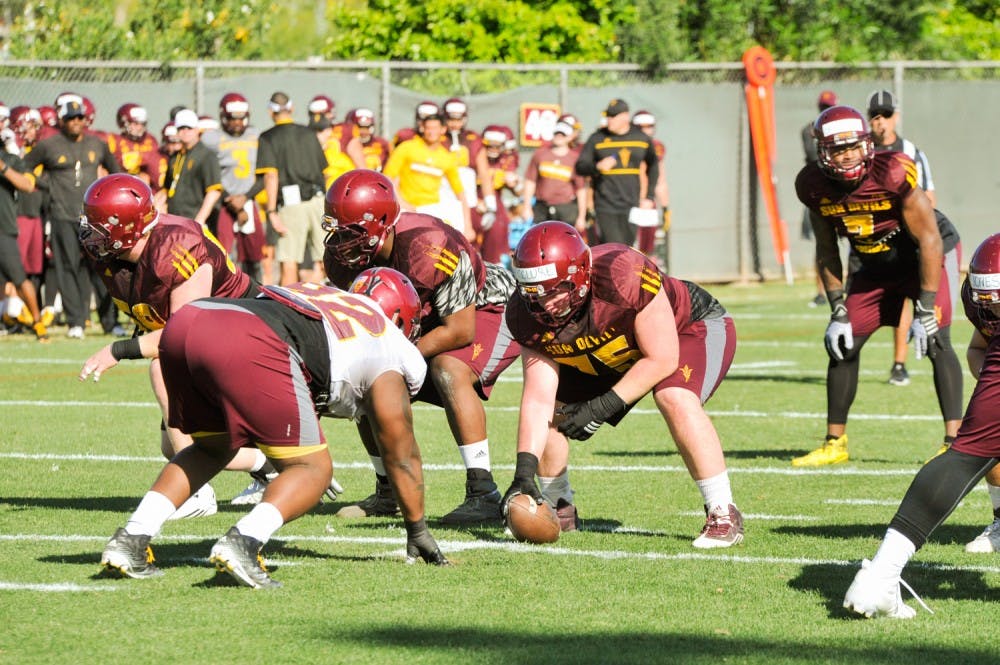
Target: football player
943, 482
153, 264
907, 250
238, 220
320, 351
464, 338
135, 148
599, 329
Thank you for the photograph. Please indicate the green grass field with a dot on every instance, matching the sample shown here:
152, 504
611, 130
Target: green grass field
628, 588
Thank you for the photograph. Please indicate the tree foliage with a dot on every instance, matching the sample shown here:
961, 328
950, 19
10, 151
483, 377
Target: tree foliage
652, 33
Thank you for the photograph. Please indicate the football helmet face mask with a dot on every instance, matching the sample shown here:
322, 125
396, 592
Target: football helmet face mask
841, 128
984, 283
234, 113
394, 293
360, 208
117, 211
552, 265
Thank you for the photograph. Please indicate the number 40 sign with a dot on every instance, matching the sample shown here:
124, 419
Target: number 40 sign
537, 122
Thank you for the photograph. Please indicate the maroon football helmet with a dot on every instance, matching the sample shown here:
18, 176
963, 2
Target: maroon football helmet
89, 111
839, 127
49, 115
129, 113
233, 105
426, 110
361, 207
984, 284
455, 109
117, 210
552, 261
21, 117
394, 293
321, 104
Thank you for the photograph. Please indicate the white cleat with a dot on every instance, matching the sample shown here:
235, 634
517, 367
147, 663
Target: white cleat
251, 495
874, 596
200, 504
988, 541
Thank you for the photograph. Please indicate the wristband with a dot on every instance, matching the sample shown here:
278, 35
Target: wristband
270, 211
926, 300
126, 349
835, 298
417, 528
526, 467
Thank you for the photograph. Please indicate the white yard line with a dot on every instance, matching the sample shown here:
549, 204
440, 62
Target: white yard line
599, 468
509, 546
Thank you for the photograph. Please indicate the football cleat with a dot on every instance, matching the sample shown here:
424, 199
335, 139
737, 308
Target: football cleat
40, 332
898, 376
476, 510
129, 555
569, 520
833, 451
48, 316
240, 556
75, 332
251, 495
818, 301
25, 318
380, 504
988, 541
874, 596
723, 528
200, 504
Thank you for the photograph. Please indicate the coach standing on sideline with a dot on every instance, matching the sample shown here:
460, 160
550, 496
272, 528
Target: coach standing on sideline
292, 162
70, 160
611, 157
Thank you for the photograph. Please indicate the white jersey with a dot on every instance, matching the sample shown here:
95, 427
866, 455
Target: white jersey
363, 344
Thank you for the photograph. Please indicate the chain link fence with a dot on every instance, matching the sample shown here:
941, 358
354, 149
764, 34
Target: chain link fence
948, 110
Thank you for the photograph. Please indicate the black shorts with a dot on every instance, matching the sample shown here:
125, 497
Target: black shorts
11, 268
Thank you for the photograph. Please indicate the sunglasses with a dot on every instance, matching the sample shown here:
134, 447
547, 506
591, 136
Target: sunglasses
882, 113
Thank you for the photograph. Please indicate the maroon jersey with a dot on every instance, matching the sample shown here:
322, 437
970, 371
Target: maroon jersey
137, 157
175, 249
556, 181
404, 134
870, 215
447, 273
602, 342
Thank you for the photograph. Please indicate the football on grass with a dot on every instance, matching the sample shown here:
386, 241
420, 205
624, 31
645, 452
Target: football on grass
531, 522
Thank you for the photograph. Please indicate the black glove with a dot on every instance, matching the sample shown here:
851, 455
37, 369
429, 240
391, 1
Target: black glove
583, 418
524, 480
420, 543
924, 329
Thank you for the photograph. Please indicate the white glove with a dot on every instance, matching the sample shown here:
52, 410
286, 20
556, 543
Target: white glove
839, 334
490, 202
924, 331
9, 140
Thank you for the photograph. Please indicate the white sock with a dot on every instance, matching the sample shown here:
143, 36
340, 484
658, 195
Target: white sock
261, 522
893, 554
377, 465
555, 488
994, 496
148, 518
716, 491
259, 460
476, 455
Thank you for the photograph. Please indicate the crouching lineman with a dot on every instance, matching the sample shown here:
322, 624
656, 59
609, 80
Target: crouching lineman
943, 482
317, 350
599, 329
463, 336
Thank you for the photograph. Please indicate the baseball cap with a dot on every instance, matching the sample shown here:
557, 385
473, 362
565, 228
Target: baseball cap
826, 99
571, 120
187, 118
616, 106
881, 102
643, 118
71, 109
